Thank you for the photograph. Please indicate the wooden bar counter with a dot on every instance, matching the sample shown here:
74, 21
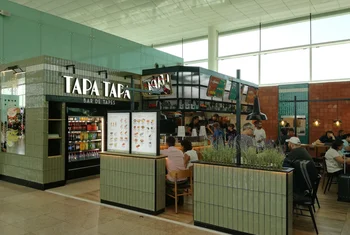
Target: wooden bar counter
135, 182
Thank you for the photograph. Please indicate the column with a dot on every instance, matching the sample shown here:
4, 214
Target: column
212, 48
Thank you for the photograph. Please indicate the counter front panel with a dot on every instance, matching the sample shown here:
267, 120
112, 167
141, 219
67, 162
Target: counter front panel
133, 182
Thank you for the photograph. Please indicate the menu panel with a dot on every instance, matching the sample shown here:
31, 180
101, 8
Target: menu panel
216, 87
118, 125
144, 133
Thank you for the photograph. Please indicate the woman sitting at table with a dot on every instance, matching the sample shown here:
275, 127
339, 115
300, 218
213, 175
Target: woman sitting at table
189, 154
334, 159
328, 138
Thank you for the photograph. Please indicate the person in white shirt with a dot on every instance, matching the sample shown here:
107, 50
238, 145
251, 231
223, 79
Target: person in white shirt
259, 135
189, 154
334, 158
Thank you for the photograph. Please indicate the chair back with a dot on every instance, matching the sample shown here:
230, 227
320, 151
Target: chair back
180, 174
325, 165
315, 185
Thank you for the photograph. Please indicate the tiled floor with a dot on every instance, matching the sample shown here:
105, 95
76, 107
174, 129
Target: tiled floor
333, 218
25, 211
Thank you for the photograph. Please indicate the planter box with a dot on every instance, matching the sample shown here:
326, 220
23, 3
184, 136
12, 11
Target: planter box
241, 200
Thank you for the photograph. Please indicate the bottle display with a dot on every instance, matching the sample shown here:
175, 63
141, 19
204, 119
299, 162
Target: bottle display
84, 138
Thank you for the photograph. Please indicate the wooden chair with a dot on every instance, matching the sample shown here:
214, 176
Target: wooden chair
180, 189
330, 177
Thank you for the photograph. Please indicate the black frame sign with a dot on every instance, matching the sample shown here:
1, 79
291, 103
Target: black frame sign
158, 83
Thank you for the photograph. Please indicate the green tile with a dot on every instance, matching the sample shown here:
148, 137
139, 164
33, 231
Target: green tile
274, 226
268, 203
245, 222
273, 204
255, 224
261, 203
231, 219
229, 198
245, 200
240, 223
267, 224
262, 225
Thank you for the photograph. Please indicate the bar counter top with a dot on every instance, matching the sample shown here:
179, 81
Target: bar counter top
117, 154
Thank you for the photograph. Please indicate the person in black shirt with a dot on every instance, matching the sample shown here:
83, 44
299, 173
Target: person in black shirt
296, 151
282, 139
328, 138
230, 134
194, 124
341, 135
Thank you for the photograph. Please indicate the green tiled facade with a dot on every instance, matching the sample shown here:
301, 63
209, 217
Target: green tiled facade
133, 181
44, 77
287, 93
245, 200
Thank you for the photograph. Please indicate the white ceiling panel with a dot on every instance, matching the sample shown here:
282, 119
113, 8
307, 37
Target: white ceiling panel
172, 20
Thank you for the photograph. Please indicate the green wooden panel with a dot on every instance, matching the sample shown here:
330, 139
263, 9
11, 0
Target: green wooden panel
21, 38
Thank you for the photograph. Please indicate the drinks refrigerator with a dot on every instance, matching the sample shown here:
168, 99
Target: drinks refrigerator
84, 142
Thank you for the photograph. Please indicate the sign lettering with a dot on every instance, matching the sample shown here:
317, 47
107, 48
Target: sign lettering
86, 87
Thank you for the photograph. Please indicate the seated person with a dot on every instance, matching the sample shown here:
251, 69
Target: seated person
328, 138
346, 147
174, 162
296, 151
341, 135
189, 154
175, 158
334, 159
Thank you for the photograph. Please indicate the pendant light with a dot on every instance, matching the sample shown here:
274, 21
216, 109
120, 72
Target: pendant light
337, 122
316, 122
282, 122
256, 114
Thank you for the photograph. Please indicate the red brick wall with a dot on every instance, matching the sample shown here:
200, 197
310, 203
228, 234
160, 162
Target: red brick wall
268, 97
326, 112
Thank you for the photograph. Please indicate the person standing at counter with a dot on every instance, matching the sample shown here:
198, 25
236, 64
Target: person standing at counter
230, 134
218, 135
193, 125
247, 134
259, 135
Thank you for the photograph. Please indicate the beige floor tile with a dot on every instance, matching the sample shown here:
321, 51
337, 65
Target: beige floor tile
92, 231
119, 227
60, 229
11, 217
2, 223
10, 207
11, 230
35, 224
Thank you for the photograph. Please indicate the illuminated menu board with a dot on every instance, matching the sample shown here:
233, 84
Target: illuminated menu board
144, 133
118, 136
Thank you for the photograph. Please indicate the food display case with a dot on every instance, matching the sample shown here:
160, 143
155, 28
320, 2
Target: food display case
85, 142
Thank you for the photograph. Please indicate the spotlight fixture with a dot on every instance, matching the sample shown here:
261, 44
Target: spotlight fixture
16, 69
337, 122
316, 122
71, 66
103, 71
256, 114
282, 122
